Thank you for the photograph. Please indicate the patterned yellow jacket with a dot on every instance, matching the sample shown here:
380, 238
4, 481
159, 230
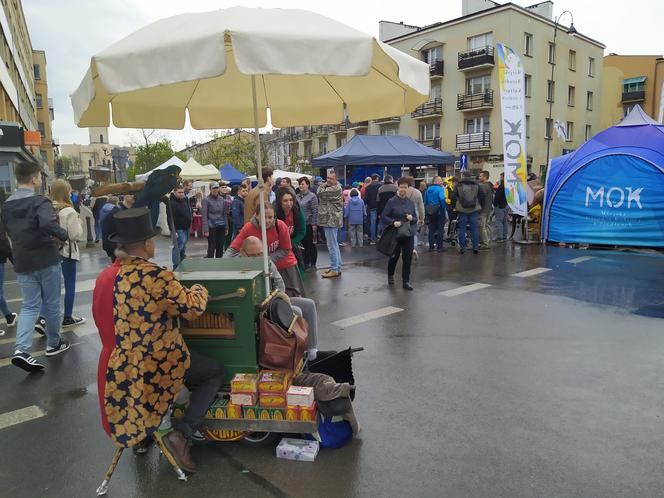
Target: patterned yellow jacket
147, 367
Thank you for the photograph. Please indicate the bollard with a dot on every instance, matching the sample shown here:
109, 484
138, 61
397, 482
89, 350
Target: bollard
91, 240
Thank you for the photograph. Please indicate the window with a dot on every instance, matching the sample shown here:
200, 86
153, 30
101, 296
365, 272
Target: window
591, 67
550, 90
478, 84
435, 92
572, 60
101, 139
569, 131
389, 131
527, 126
589, 132
589, 101
548, 128
480, 41
89, 162
429, 131
39, 101
37, 71
322, 146
341, 141
571, 91
477, 125
634, 84
528, 81
433, 54
40, 127
528, 44
551, 55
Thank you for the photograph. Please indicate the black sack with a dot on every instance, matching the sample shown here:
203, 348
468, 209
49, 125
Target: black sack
387, 242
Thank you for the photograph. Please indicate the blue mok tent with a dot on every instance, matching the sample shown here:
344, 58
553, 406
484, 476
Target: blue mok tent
611, 189
371, 150
230, 174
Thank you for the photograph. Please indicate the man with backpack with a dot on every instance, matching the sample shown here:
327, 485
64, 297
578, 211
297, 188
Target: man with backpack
469, 203
487, 207
434, 208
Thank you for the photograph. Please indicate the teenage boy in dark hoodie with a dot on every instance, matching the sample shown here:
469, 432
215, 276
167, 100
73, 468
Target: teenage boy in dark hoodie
36, 236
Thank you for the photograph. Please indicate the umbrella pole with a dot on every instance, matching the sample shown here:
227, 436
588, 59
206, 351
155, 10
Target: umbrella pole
261, 196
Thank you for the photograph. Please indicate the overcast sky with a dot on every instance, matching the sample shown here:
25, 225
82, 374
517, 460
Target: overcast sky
71, 31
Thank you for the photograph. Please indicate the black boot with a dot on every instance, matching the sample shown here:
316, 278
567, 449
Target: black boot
407, 286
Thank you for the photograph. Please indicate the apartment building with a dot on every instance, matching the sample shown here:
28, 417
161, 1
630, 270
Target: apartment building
44, 108
629, 80
98, 160
463, 113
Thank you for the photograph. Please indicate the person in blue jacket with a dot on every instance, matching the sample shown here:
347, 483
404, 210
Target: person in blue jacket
435, 209
237, 209
354, 212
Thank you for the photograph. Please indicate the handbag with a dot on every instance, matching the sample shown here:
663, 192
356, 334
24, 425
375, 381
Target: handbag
387, 242
431, 209
403, 232
283, 336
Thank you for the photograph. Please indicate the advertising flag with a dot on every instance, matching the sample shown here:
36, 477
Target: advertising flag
513, 116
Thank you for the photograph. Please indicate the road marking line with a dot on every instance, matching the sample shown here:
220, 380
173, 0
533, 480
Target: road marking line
21, 415
82, 286
463, 289
11, 340
530, 273
365, 317
8, 361
580, 260
83, 333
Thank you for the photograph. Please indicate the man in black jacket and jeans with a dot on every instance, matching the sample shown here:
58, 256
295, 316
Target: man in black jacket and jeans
36, 236
500, 211
181, 210
371, 201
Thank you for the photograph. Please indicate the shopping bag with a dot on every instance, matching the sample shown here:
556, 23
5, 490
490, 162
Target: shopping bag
387, 242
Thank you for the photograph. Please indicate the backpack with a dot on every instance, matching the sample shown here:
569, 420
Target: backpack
431, 208
468, 195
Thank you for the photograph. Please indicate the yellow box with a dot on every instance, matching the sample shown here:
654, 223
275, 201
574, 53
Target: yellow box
272, 400
218, 409
272, 381
292, 413
308, 413
244, 383
250, 412
271, 413
233, 411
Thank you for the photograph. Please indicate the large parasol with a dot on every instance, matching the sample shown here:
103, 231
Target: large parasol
226, 68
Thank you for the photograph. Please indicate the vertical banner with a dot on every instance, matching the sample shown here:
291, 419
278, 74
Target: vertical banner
660, 117
513, 116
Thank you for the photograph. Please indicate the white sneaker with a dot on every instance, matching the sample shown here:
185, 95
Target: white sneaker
415, 255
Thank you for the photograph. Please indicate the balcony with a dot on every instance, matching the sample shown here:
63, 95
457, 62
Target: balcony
305, 134
392, 120
354, 126
473, 101
320, 131
476, 59
338, 128
473, 141
434, 143
634, 96
436, 69
431, 109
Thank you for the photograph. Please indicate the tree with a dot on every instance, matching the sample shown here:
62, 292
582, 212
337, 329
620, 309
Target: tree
67, 166
151, 155
237, 149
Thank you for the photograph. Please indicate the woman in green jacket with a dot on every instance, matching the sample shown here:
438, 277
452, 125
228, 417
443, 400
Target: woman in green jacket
288, 210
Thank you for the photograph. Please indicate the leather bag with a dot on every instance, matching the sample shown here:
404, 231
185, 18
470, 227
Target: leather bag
387, 242
283, 336
403, 232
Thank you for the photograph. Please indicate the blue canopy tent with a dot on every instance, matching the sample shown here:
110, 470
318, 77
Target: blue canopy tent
610, 191
368, 154
230, 174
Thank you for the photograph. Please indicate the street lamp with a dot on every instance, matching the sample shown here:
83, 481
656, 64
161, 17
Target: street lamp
570, 31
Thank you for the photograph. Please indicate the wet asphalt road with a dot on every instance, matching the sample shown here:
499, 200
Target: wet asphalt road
541, 385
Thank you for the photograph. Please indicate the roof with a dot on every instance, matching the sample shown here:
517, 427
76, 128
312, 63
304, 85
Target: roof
490, 10
638, 117
367, 150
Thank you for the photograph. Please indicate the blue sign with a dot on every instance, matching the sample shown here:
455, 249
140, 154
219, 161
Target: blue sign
463, 162
613, 200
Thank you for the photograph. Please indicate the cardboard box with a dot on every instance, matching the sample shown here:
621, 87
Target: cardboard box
244, 383
307, 413
271, 413
233, 411
292, 413
250, 412
298, 449
272, 400
243, 399
272, 381
218, 409
300, 396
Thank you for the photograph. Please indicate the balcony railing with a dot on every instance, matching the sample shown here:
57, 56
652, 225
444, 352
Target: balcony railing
359, 124
431, 142
634, 96
432, 108
436, 69
392, 120
470, 101
338, 128
473, 141
305, 134
476, 57
321, 131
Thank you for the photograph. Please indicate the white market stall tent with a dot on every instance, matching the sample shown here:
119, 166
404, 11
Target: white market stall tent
172, 161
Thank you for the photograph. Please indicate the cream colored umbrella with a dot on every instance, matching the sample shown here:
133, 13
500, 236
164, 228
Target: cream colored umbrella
227, 67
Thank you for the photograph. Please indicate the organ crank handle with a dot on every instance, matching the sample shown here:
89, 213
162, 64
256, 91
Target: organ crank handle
240, 292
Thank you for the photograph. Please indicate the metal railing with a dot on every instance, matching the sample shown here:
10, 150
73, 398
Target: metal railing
338, 128
393, 119
479, 100
473, 141
431, 142
475, 57
359, 124
633, 96
432, 108
436, 69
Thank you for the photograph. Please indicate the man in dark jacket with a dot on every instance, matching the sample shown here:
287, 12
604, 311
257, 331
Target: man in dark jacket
108, 225
237, 209
371, 201
96, 209
181, 210
487, 208
500, 211
469, 203
35, 232
386, 191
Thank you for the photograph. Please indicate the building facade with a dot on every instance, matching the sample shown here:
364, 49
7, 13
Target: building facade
463, 113
629, 80
44, 108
